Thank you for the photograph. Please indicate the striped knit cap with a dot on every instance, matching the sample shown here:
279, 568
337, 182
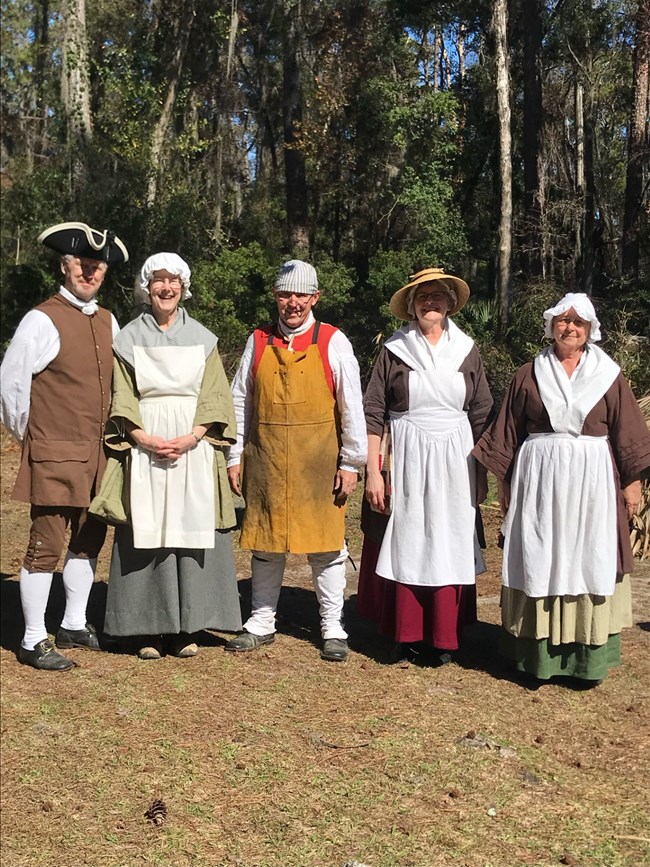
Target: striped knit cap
297, 276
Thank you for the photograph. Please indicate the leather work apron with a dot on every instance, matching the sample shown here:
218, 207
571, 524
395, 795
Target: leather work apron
291, 457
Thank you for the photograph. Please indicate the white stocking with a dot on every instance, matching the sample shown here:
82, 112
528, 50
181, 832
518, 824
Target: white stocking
78, 577
34, 593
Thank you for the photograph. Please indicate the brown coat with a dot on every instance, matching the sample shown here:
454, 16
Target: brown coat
63, 455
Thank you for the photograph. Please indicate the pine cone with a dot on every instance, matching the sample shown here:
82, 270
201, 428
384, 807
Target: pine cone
157, 812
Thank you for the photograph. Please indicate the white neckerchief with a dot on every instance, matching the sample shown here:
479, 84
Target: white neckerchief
290, 333
568, 400
87, 307
412, 347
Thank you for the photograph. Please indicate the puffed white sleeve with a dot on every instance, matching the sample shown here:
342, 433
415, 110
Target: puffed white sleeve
242, 396
35, 344
347, 385
115, 326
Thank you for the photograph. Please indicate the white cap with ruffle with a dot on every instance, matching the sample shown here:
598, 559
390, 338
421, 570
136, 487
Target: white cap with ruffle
582, 305
170, 262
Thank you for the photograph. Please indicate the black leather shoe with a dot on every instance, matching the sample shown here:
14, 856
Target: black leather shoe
334, 650
44, 657
247, 641
86, 637
401, 652
443, 657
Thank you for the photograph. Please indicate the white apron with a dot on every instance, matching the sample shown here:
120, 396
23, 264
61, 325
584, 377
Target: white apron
560, 530
172, 505
561, 527
430, 539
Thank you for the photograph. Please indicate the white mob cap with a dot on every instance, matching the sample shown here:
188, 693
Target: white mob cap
170, 262
297, 276
582, 305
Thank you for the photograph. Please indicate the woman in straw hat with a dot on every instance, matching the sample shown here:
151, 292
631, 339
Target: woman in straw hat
428, 388
568, 447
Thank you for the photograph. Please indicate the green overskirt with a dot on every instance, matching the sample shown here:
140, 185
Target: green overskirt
543, 660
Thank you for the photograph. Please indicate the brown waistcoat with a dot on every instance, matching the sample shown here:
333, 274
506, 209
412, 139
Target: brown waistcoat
63, 456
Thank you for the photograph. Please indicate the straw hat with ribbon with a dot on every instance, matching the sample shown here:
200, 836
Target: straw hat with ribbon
399, 302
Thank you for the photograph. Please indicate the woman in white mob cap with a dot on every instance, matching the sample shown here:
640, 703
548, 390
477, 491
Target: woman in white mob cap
172, 571
568, 447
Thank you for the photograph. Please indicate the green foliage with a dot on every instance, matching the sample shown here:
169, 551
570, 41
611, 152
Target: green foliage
336, 283
626, 337
526, 335
231, 295
23, 287
399, 155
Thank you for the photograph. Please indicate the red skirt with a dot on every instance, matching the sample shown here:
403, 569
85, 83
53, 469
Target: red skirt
408, 613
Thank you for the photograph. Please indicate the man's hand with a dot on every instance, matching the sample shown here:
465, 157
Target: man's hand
345, 483
233, 478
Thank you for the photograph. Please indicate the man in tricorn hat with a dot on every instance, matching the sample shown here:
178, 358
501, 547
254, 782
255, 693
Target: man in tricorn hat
302, 431
56, 388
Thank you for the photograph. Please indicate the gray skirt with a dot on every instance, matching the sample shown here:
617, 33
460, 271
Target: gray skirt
164, 591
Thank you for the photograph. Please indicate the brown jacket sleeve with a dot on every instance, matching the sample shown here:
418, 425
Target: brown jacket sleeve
628, 432
374, 401
479, 402
498, 446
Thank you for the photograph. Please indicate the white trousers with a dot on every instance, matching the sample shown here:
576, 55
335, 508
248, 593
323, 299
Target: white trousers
328, 574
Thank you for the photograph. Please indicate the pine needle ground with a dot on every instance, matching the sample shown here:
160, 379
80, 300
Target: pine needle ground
277, 758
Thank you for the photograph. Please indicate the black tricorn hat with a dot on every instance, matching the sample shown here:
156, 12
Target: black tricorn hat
78, 239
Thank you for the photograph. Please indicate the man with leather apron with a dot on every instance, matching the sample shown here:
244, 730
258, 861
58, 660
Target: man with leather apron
302, 437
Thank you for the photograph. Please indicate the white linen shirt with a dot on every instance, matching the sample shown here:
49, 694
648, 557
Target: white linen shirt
35, 344
347, 387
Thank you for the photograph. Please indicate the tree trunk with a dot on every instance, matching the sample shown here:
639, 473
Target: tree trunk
586, 273
175, 69
223, 121
75, 91
637, 146
435, 61
294, 158
533, 141
503, 276
460, 48
41, 36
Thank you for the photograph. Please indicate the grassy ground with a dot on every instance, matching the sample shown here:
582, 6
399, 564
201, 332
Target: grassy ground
277, 758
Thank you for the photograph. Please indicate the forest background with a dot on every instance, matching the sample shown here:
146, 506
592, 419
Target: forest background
505, 141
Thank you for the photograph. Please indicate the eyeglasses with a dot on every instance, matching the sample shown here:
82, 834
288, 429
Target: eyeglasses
300, 296
174, 282
430, 296
568, 320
